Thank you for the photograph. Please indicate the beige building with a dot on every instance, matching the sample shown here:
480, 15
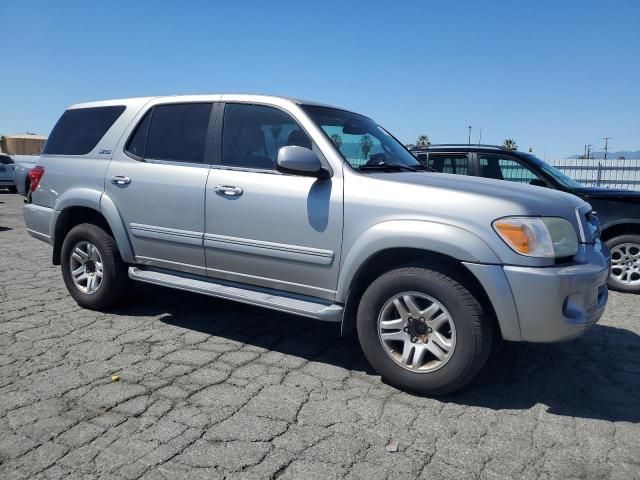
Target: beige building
22, 144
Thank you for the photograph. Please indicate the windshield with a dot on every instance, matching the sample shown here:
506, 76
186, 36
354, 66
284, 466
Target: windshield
360, 140
560, 177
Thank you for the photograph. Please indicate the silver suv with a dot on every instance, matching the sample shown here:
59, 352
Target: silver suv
319, 212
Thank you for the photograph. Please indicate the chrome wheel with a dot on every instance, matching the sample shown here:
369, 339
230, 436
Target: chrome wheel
86, 267
625, 263
417, 332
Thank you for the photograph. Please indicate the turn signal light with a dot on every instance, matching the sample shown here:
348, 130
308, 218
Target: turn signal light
515, 235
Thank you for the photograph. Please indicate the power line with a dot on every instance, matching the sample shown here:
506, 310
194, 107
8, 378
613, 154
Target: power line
606, 146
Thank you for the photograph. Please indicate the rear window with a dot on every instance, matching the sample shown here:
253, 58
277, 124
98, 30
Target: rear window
79, 130
5, 160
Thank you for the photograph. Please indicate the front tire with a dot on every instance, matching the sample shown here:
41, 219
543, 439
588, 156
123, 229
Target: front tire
423, 331
92, 269
625, 263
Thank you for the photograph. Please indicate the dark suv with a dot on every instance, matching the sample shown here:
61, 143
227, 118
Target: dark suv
618, 210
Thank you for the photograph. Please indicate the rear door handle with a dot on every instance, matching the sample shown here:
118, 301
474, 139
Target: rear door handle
228, 191
120, 180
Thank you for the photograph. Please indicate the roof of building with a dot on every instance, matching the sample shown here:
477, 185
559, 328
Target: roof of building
25, 135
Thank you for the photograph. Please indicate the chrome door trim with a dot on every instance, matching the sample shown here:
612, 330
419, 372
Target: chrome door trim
166, 234
283, 251
255, 280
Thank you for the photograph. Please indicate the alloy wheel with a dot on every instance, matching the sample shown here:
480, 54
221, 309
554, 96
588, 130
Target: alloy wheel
417, 332
625, 263
86, 267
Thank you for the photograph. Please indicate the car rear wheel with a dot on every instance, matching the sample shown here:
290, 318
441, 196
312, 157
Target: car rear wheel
423, 331
92, 269
625, 263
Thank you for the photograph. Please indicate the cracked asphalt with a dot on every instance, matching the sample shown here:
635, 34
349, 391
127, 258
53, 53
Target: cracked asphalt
212, 389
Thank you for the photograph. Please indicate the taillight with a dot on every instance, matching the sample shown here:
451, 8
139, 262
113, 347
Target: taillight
35, 175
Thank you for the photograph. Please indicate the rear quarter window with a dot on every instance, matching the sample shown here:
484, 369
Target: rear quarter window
80, 129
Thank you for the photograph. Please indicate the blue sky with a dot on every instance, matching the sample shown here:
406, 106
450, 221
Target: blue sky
553, 75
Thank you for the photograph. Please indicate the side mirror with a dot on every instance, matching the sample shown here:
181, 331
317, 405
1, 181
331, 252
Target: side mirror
538, 183
300, 161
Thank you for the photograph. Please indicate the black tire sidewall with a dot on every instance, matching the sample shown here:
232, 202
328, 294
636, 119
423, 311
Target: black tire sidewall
100, 239
430, 283
612, 243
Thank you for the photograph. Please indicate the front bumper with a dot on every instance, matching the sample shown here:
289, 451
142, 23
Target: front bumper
548, 304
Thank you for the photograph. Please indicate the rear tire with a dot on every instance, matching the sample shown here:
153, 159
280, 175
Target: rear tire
13, 189
458, 327
625, 263
92, 269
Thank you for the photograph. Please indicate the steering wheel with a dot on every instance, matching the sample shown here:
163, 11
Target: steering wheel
376, 159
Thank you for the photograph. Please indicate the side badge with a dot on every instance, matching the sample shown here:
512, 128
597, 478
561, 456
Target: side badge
104, 152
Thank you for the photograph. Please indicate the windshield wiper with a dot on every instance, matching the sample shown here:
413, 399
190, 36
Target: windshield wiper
392, 166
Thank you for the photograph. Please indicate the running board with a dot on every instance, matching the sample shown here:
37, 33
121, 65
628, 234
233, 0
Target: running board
262, 297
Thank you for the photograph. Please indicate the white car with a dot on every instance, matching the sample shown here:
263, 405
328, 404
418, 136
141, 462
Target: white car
7, 173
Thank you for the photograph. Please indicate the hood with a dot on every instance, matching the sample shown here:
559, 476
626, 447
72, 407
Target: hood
537, 200
608, 193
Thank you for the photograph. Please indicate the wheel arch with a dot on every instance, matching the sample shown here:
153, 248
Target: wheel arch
621, 227
106, 217
388, 259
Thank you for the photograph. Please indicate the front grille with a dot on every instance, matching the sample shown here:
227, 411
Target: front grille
593, 223
588, 224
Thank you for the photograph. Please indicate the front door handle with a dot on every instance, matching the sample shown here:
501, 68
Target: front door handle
228, 191
120, 180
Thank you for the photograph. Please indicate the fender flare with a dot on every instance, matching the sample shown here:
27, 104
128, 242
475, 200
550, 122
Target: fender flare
101, 203
114, 219
436, 237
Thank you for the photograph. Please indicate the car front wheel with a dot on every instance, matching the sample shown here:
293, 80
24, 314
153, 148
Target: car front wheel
423, 331
625, 263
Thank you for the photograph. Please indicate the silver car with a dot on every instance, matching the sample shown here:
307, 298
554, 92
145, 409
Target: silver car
7, 167
320, 212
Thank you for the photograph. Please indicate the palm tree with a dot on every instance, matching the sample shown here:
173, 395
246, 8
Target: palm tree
510, 144
423, 141
365, 144
337, 140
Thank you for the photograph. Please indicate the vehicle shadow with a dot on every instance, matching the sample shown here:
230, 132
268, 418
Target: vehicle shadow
596, 376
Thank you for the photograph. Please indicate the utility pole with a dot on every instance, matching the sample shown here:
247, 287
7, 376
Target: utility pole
469, 140
606, 146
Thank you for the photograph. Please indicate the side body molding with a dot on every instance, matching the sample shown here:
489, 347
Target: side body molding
425, 235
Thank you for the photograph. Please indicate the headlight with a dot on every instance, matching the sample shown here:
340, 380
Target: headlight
549, 237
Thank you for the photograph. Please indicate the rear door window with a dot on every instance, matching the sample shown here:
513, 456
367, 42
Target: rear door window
175, 132
80, 129
449, 163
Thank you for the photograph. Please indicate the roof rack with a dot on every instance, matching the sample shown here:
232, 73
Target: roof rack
439, 145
